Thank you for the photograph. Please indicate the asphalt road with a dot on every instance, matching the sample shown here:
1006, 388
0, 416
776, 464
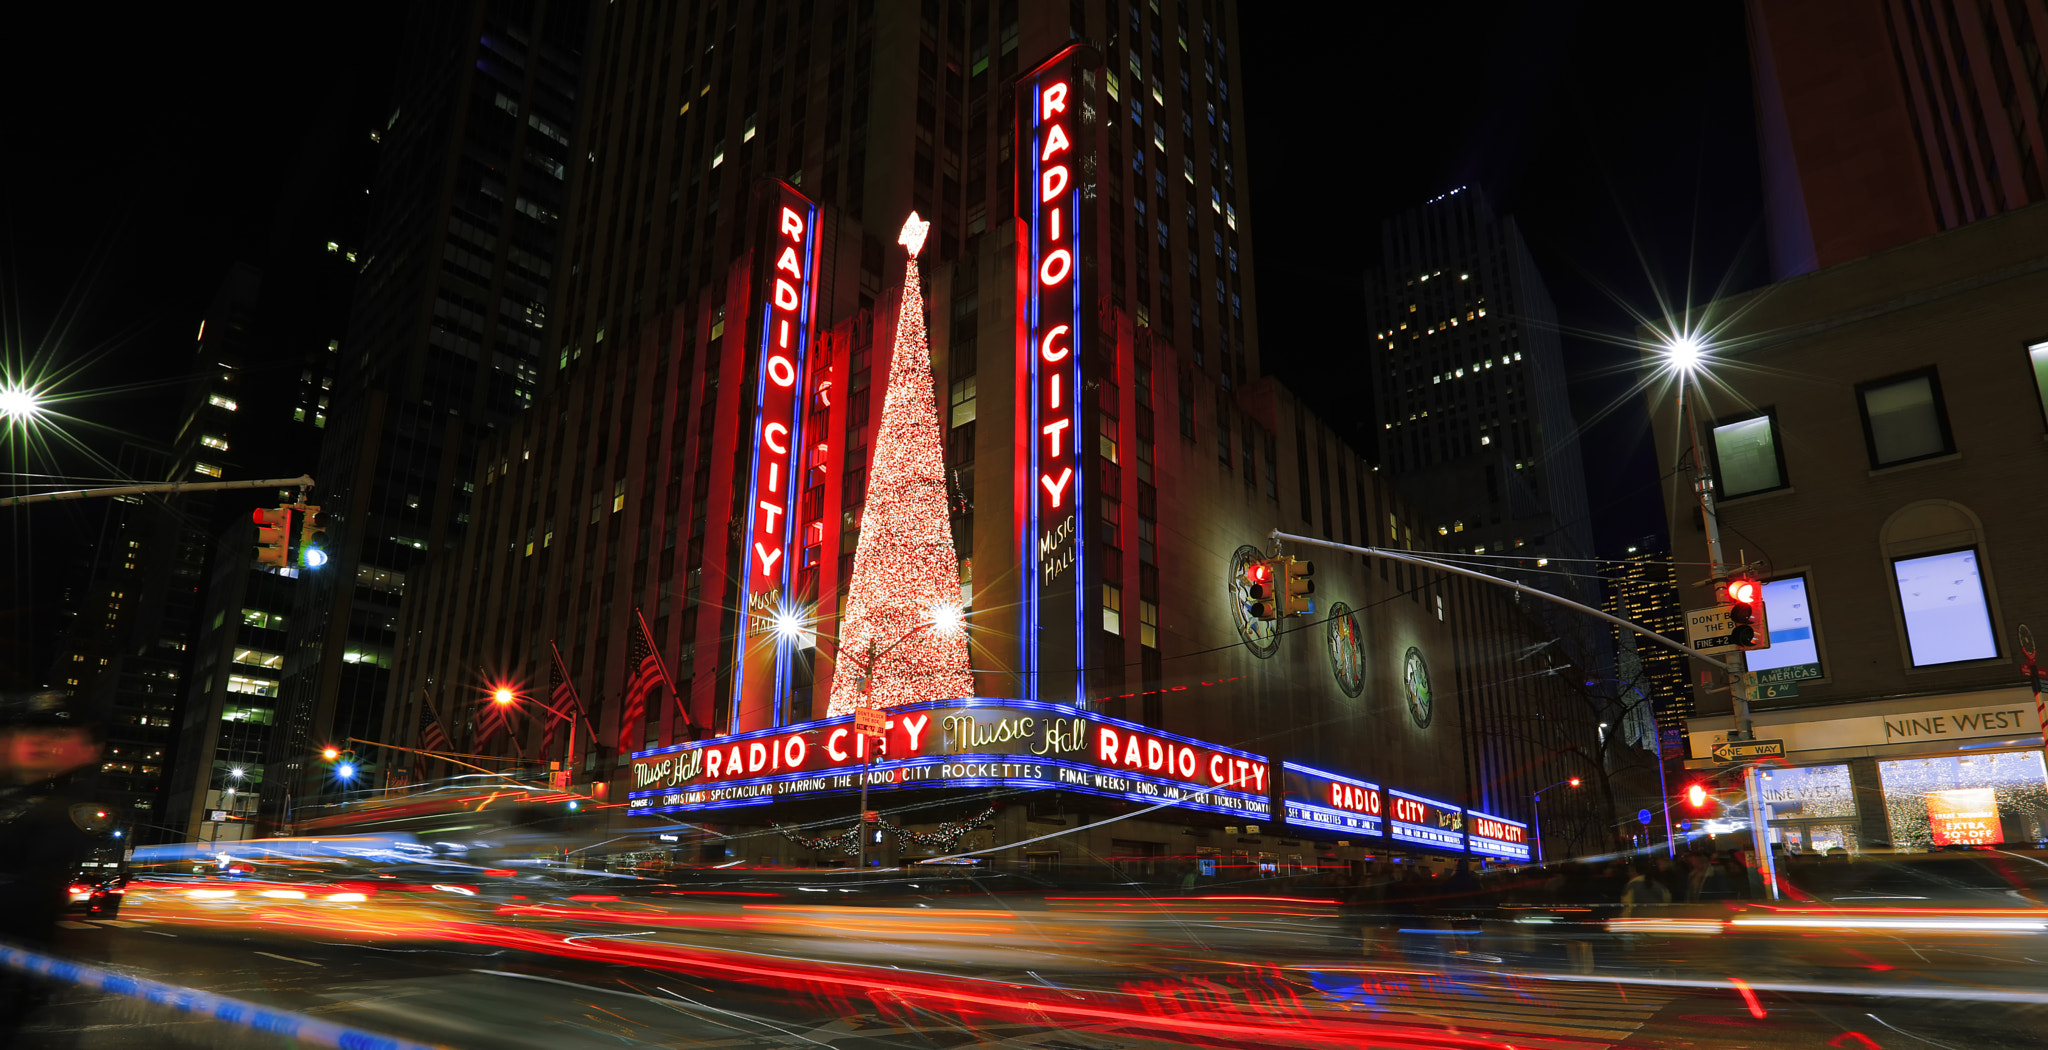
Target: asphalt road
603, 974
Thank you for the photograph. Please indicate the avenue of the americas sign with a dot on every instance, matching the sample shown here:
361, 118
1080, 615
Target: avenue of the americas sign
1321, 801
955, 743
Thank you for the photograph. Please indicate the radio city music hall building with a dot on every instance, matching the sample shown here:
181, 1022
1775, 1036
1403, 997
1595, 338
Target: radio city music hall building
1113, 461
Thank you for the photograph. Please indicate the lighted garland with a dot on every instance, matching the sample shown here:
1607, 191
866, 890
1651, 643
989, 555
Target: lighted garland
906, 574
848, 842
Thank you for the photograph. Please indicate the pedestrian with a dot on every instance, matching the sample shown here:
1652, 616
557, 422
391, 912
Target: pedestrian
1643, 890
43, 833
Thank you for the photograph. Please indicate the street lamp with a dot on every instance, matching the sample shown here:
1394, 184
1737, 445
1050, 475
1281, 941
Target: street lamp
947, 618
1684, 351
20, 403
1537, 798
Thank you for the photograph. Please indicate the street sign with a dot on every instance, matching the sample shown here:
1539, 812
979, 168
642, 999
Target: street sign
1772, 690
1788, 673
868, 721
1743, 750
1643, 817
1707, 631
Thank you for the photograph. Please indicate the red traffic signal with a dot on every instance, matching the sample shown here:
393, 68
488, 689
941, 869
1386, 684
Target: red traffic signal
1744, 597
1698, 798
1260, 591
273, 535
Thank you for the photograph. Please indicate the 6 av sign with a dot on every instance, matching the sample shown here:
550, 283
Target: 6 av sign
1743, 750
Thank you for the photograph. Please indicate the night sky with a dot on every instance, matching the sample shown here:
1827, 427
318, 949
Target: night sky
1591, 123
147, 154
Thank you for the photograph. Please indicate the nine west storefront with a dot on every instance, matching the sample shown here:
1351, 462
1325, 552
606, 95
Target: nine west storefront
1912, 774
1047, 781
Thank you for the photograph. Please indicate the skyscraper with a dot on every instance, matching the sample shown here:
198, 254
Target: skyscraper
1642, 588
443, 341
1884, 123
1469, 384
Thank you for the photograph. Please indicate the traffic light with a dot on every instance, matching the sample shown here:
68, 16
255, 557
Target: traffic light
273, 535
312, 551
1699, 799
1744, 597
1296, 587
1262, 589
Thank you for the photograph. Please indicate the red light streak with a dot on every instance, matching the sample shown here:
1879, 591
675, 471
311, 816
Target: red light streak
1755, 1008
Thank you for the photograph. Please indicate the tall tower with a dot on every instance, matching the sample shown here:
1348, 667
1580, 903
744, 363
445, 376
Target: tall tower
1642, 587
1469, 382
444, 341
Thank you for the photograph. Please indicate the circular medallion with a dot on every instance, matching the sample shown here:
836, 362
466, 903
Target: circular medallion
1262, 637
1415, 681
1347, 654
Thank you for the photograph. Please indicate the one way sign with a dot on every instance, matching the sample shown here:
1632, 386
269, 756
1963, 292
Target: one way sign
1741, 750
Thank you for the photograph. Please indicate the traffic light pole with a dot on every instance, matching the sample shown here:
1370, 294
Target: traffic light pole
1738, 662
302, 483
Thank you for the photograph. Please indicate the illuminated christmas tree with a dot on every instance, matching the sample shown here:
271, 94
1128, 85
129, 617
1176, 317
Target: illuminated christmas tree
901, 638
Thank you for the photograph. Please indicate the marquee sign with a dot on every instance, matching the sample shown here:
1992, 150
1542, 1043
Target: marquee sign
1492, 836
1426, 822
1055, 173
955, 743
786, 254
1320, 801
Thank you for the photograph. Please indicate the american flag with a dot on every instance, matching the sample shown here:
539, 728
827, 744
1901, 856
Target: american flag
643, 666
432, 737
562, 698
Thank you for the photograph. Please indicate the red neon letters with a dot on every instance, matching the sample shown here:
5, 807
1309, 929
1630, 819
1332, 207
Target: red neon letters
1055, 278
1356, 799
1499, 831
781, 336
1144, 753
1409, 811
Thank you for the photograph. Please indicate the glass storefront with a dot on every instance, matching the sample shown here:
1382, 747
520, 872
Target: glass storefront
1811, 809
1970, 800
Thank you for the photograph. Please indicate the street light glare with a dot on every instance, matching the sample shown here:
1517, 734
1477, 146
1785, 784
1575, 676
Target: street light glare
788, 625
19, 403
237, 773
345, 771
503, 696
946, 617
1685, 352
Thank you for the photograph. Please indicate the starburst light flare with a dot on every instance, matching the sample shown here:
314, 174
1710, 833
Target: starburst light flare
894, 647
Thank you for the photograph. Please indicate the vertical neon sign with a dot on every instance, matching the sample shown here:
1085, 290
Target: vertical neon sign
1052, 165
785, 259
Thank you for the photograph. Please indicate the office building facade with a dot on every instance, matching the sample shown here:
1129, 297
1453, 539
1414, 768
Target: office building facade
1469, 385
1900, 561
1882, 123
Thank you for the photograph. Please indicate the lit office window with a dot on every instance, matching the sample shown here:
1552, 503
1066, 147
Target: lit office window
1904, 419
1747, 455
1948, 619
1112, 608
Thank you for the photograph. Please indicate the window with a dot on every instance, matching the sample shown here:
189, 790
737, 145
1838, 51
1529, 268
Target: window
1148, 540
252, 686
259, 618
1747, 456
1903, 419
207, 469
1112, 608
218, 401
619, 495
963, 401
1794, 654
1148, 624
2037, 355
211, 441
259, 658
1107, 437
1942, 599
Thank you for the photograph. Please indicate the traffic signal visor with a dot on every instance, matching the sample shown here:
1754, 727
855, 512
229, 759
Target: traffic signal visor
273, 535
